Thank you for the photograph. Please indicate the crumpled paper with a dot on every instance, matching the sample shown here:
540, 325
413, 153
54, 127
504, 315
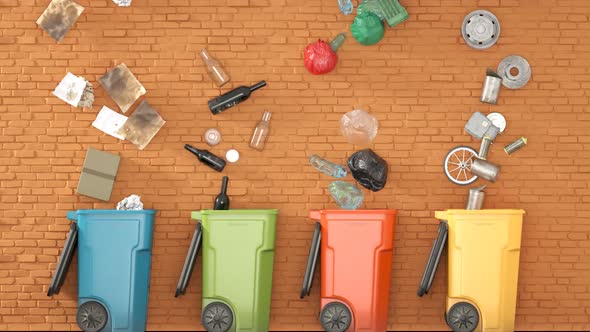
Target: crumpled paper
123, 3
132, 202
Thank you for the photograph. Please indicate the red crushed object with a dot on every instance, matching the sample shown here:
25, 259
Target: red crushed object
319, 58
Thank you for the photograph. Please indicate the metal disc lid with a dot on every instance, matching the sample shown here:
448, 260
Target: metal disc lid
521, 69
480, 29
498, 120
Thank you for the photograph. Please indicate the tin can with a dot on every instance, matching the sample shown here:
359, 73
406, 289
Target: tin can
491, 88
485, 170
516, 145
484, 148
475, 198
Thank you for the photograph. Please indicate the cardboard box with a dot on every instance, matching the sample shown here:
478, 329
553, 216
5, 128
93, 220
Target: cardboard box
98, 174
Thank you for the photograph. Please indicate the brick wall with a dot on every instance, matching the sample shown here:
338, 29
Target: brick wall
421, 82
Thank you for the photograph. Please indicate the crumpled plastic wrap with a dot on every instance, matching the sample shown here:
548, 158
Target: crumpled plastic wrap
346, 195
359, 127
132, 202
368, 169
319, 58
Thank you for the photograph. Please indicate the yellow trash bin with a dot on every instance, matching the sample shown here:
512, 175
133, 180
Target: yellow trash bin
483, 257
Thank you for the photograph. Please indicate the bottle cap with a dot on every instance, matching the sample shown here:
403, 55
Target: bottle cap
232, 156
266, 116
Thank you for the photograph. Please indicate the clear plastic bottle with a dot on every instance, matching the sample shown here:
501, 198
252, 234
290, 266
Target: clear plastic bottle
214, 69
345, 6
261, 131
327, 167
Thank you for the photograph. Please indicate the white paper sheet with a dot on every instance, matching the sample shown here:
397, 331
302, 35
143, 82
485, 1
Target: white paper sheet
109, 122
70, 89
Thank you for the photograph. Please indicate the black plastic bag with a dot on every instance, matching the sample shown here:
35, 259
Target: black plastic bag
368, 169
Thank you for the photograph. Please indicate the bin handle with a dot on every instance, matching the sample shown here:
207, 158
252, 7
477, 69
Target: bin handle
434, 258
196, 215
190, 261
312, 260
65, 260
72, 215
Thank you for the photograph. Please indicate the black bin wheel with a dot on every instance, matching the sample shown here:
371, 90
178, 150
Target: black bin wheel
217, 317
463, 317
335, 317
92, 316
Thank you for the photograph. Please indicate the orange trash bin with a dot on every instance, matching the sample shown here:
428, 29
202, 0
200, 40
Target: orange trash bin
355, 248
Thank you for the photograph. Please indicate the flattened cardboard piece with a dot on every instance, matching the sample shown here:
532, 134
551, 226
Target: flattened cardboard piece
122, 86
109, 122
70, 89
98, 174
142, 125
59, 17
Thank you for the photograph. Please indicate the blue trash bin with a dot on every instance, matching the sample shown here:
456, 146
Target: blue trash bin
114, 258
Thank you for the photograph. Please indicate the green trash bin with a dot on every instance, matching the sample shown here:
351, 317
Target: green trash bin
238, 255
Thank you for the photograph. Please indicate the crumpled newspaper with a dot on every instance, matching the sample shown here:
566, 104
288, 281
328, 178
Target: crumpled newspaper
132, 202
87, 96
123, 3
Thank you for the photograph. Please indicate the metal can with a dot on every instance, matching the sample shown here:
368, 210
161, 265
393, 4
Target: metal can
491, 88
484, 148
475, 198
485, 170
516, 145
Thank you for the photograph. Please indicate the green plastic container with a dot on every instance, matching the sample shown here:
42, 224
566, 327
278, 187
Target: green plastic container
393, 12
238, 257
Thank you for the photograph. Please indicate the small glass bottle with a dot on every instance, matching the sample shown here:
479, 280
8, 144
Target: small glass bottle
261, 131
214, 69
222, 201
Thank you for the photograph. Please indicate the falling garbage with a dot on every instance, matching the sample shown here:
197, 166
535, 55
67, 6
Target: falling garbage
98, 174
214, 69
368, 169
261, 132
212, 137
207, 158
122, 86
87, 98
480, 29
491, 87
475, 198
122, 3
59, 17
142, 125
367, 28
233, 97
515, 146
132, 202
232, 156
346, 195
327, 167
515, 71
70, 89
345, 6
110, 122
485, 169
359, 127
393, 12
479, 126
320, 57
